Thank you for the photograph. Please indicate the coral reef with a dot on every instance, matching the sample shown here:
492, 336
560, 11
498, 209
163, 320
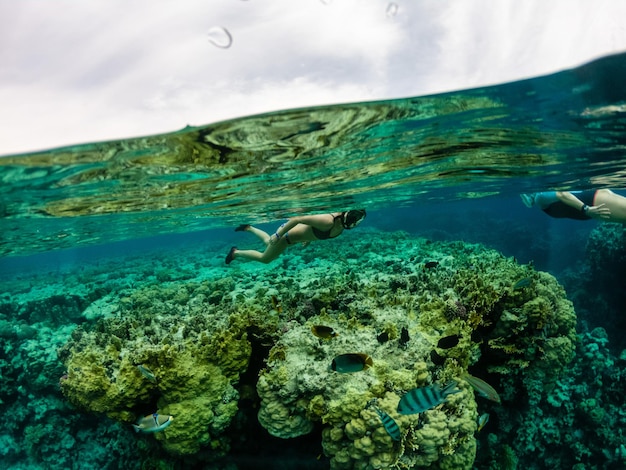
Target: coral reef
596, 284
40, 429
195, 358
522, 337
579, 423
225, 346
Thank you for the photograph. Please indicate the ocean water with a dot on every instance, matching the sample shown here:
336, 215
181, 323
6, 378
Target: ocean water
85, 228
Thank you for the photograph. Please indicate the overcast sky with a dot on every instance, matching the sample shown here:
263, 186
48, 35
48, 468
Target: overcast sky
79, 71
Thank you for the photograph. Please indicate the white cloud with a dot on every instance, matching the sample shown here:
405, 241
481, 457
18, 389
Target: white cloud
82, 71
488, 42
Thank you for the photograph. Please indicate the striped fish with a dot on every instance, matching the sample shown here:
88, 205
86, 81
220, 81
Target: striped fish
153, 423
389, 423
482, 388
424, 398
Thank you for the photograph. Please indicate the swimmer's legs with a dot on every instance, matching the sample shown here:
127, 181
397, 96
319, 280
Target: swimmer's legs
270, 254
264, 236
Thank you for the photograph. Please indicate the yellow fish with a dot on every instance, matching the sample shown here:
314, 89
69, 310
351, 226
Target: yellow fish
324, 332
483, 388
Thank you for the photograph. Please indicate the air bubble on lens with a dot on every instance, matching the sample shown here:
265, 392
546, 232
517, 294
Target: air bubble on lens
220, 37
392, 9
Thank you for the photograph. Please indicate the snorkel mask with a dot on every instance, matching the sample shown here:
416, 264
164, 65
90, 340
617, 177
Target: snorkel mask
351, 219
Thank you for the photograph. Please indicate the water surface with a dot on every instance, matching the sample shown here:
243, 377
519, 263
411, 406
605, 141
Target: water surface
561, 131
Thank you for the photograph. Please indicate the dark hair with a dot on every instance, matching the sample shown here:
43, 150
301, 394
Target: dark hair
352, 218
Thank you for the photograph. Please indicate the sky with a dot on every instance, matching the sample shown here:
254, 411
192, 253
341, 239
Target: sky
83, 71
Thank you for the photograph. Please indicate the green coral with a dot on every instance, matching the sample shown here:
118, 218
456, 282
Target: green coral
203, 338
527, 336
196, 361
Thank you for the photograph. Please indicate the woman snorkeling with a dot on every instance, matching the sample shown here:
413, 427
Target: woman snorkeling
301, 229
601, 204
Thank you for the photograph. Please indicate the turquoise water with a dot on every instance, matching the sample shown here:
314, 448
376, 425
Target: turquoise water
85, 227
563, 130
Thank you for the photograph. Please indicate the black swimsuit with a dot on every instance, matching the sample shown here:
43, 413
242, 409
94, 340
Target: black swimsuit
325, 234
560, 210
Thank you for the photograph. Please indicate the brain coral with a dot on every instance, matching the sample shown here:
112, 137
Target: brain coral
514, 326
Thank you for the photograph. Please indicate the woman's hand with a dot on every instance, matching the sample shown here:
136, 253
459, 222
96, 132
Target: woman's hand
599, 212
274, 239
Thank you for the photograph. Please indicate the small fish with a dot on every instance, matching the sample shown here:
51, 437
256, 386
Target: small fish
389, 423
147, 373
153, 423
351, 362
436, 358
448, 342
421, 399
525, 282
383, 337
324, 332
482, 420
431, 264
276, 304
404, 337
482, 388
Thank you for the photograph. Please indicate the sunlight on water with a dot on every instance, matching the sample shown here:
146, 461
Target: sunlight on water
565, 130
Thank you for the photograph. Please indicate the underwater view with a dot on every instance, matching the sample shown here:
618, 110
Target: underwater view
406, 308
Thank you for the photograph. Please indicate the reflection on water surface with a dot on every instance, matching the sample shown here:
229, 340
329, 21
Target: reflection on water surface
563, 130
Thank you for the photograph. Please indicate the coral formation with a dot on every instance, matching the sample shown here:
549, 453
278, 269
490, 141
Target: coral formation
40, 429
211, 339
574, 422
596, 285
578, 422
196, 359
521, 337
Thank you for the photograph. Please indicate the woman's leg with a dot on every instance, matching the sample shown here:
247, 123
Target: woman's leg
264, 236
270, 254
615, 203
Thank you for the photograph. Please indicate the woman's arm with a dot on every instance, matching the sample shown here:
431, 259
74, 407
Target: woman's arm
569, 199
598, 212
321, 222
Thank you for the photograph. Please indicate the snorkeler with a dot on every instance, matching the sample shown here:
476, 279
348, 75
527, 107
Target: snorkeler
302, 229
601, 204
